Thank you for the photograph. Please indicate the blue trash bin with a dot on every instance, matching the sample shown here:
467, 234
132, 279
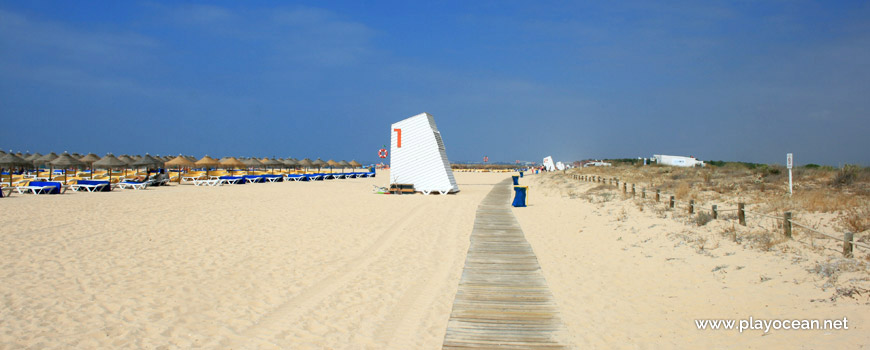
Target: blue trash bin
521, 174
520, 196
516, 179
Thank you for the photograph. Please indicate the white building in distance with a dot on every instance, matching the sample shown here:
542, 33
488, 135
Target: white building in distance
677, 161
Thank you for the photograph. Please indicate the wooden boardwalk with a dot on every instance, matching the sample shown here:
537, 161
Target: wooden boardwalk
503, 301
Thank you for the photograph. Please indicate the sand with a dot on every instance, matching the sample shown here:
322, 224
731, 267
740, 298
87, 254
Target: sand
331, 265
626, 278
269, 266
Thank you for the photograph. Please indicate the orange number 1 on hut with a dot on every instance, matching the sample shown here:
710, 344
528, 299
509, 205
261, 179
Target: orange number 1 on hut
398, 137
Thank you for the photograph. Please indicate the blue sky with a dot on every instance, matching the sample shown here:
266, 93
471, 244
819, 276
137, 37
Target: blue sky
745, 80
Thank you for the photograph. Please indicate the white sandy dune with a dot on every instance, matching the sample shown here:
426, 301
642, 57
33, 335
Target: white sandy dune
631, 279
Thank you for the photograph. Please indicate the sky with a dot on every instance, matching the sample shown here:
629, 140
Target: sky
512, 80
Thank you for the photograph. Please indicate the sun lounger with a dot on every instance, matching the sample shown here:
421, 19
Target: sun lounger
296, 177
210, 182
273, 178
91, 186
6, 191
42, 187
134, 185
254, 178
192, 178
232, 180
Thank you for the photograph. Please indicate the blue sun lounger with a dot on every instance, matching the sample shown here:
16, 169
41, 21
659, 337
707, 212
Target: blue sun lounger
296, 177
253, 178
91, 186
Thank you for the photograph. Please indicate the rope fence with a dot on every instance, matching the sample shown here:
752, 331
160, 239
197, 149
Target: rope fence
848, 237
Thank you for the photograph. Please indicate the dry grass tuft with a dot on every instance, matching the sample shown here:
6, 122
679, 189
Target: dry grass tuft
855, 220
703, 218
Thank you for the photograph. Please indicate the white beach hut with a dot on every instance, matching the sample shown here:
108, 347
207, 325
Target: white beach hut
548, 164
418, 157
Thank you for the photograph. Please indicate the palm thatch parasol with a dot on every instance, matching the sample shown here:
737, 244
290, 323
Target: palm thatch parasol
33, 157
355, 164
252, 162
271, 163
319, 163
207, 162
344, 164
231, 163
46, 159
127, 160
147, 161
89, 159
65, 161
179, 162
109, 162
10, 160
307, 163
332, 164
291, 163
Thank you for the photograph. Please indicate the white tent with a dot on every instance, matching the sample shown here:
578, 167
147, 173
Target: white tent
548, 164
560, 166
418, 156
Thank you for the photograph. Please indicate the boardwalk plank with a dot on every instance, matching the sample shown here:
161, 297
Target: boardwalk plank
503, 301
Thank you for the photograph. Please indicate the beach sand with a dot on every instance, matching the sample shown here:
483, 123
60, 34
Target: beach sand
269, 266
631, 279
331, 265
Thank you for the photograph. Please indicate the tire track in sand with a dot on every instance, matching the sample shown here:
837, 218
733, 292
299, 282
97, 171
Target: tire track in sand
285, 315
417, 300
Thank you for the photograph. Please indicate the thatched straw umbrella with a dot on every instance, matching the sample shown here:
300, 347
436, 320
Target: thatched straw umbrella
207, 162
147, 161
344, 164
307, 163
65, 161
89, 159
179, 162
46, 159
332, 164
355, 164
252, 163
291, 163
33, 157
128, 161
11, 161
271, 163
109, 162
231, 163
319, 163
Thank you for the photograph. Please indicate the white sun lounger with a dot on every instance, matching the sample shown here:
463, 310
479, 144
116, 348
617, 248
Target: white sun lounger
34, 189
133, 185
89, 188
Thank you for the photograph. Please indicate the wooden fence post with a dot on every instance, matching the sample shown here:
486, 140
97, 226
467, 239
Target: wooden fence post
691, 206
643, 192
786, 223
741, 214
624, 187
847, 244
715, 212
672, 202
658, 194
632, 190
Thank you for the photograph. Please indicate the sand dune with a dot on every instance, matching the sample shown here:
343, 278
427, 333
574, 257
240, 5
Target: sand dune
626, 278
